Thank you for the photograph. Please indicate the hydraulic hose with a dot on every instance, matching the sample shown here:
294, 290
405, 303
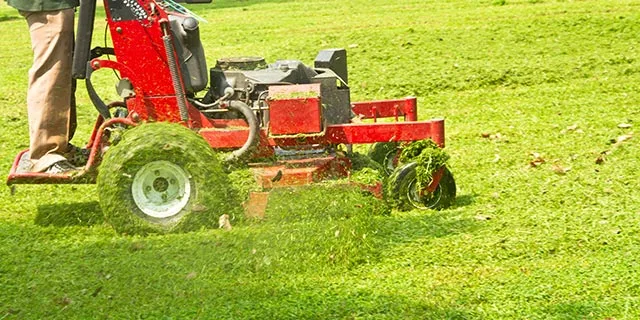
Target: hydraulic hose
102, 107
254, 130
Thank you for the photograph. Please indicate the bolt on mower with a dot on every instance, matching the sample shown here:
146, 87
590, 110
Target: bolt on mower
160, 156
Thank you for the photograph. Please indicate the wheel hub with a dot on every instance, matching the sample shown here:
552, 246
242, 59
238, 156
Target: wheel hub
161, 189
421, 198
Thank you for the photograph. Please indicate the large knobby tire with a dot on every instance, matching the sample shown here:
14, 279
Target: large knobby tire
386, 154
163, 178
402, 190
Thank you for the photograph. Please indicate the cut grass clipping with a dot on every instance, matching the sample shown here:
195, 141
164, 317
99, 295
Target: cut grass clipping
365, 170
328, 196
180, 156
323, 201
417, 163
428, 157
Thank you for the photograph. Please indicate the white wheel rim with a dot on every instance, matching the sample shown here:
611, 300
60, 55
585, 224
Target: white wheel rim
161, 189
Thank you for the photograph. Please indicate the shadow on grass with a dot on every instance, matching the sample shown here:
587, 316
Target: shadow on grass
421, 225
206, 294
327, 226
9, 18
465, 200
286, 267
69, 214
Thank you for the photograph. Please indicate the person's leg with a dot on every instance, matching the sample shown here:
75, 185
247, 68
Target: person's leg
49, 94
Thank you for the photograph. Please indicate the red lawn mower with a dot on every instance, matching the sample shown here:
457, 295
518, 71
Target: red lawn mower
155, 154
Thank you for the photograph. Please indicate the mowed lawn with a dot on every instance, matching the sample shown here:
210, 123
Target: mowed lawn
541, 100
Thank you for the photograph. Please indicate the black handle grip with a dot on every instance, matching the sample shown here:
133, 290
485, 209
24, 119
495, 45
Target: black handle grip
82, 50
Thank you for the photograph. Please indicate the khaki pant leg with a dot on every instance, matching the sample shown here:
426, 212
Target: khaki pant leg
49, 93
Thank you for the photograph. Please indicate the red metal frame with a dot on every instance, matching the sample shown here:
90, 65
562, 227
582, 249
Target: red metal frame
86, 175
352, 133
301, 171
141, 58
293, 116
387, 109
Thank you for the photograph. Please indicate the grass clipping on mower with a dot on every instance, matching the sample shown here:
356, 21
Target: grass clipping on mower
365, 170
428, 157
211, 193
331, 197
323, 201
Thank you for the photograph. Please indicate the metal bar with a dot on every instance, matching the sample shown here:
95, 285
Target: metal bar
97, 140
386, 132
337, 134
406, 107
84, 176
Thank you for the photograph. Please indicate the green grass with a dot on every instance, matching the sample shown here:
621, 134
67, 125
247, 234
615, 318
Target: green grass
559, 240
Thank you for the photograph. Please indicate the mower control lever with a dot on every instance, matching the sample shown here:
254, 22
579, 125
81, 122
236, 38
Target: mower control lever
100, 51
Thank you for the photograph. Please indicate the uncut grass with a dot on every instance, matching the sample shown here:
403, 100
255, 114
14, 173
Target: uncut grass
521, 242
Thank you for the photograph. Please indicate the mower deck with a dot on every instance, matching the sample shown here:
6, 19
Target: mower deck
297, 172
300, 171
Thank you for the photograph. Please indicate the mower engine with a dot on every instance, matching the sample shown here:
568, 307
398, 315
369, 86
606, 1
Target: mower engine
250, 78
265, 87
